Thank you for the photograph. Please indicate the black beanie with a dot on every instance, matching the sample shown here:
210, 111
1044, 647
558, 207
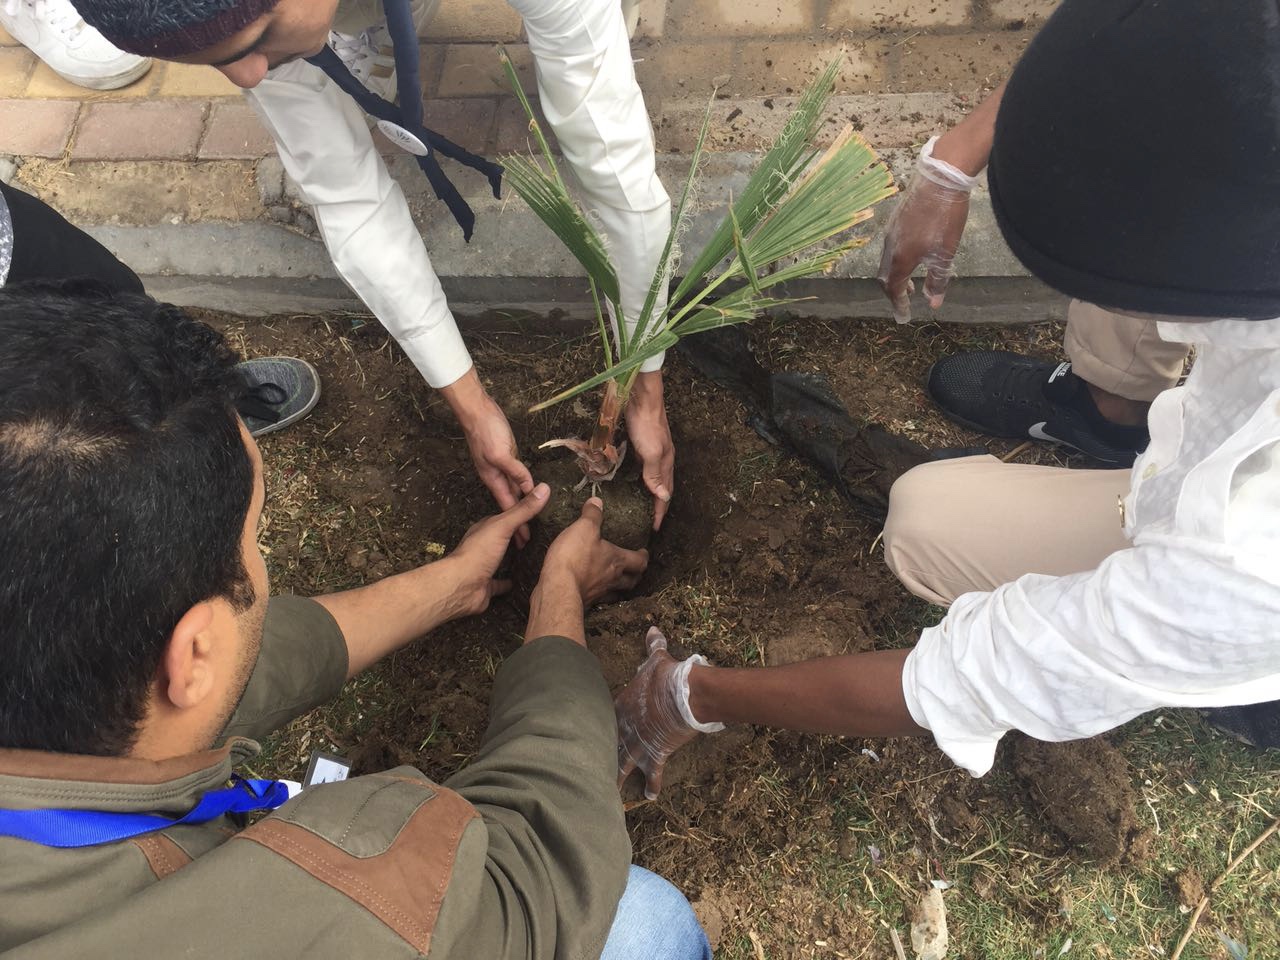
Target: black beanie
1136, 162
170, 28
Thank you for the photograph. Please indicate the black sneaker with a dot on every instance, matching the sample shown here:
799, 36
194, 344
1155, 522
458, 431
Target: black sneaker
278, 391
1256, 724
1005, 395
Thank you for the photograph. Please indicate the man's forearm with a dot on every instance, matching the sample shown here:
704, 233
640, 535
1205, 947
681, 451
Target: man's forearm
555, 609
859, 695
544, 779
364, 219
967, 145
384, 616
466, 397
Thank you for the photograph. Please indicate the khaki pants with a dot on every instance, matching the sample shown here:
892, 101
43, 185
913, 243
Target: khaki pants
1120, 354
975, 523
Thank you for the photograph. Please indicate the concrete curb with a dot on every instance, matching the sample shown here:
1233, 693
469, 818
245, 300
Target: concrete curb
512, 268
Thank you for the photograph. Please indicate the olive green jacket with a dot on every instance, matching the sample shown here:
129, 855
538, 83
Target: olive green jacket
523, 854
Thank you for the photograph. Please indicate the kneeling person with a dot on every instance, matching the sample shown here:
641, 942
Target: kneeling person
1080, 599
142, 654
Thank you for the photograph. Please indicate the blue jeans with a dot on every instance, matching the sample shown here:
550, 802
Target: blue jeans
654, 922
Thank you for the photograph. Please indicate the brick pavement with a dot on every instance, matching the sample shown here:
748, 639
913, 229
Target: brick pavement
912, 66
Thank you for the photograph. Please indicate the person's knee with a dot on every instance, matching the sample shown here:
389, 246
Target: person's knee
654, 919
916, 528
913, 513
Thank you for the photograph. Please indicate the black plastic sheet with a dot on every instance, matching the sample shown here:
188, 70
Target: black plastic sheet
801, 413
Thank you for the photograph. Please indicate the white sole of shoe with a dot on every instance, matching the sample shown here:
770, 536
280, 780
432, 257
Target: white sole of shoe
115, 82
297, 414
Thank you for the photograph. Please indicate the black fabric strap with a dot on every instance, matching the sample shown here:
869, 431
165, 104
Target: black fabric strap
404, 44
408, 114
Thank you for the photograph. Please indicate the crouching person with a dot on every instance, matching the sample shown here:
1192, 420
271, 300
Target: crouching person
142, 656
1080, 599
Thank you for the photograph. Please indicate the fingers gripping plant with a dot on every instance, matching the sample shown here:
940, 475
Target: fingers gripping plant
797, 198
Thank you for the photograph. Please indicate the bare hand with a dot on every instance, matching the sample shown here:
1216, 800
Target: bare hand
653, 714
650, 435
594, 565
477, 557
492, 445
493, 450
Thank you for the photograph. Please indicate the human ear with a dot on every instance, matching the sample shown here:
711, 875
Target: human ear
188, 676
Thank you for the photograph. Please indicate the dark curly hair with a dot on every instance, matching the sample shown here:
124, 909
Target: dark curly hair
124, 487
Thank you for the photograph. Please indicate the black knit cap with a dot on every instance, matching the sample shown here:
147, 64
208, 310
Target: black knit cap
170, 28
1136, 162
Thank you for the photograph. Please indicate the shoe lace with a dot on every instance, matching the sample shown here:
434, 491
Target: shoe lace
351, 47
59, 15
1019, 383
378, 37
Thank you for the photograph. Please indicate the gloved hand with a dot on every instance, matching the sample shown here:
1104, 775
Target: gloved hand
654, 719
925, 228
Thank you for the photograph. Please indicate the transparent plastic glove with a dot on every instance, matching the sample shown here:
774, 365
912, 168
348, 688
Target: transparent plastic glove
925, 229
654, 719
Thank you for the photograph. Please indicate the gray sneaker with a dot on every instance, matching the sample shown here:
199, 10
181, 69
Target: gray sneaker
278, 391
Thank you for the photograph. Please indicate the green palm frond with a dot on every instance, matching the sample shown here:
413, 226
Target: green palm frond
651, 348
679, 220
833, 196
784, 226
780, 167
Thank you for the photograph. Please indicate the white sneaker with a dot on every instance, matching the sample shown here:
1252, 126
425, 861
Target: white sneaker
371, 58
75, 51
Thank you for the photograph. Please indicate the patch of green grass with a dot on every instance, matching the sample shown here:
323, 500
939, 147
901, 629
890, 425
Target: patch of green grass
1210, 796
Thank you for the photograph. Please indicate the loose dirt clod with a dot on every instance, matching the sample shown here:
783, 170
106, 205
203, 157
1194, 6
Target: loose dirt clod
1189, 886
713, 911
1084, 789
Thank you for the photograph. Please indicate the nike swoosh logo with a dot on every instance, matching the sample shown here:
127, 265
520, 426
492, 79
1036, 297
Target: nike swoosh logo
1036, 430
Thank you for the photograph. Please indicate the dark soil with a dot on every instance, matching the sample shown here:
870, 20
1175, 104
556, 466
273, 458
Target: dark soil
759, 562
1189, 887
1085, 790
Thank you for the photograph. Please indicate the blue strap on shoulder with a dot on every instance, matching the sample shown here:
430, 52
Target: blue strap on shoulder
88, 828
408, 114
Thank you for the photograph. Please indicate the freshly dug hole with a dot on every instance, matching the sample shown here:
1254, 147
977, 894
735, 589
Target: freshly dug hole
628, 515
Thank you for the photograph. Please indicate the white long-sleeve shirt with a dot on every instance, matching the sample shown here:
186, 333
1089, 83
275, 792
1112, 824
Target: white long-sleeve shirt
590, 97
1189, 616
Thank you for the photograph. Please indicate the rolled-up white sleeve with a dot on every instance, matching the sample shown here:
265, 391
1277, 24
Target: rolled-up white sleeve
362, 214
589, 95
1167, 623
